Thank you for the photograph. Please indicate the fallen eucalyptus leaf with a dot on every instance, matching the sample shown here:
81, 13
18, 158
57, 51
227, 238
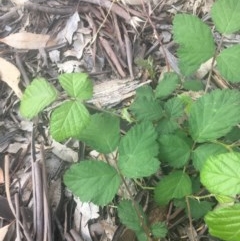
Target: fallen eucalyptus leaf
10, 75
25, 40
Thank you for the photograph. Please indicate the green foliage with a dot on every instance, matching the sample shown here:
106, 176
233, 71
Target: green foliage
71, 117
148, 65
102, 133
214, 115
37, 96
167, 85
224, 223
175, 149
87, 179
195, 40
225, 15
174, 108
194, 85
202, 152
77, 85
129, 216
68, 120
228, 63
197, 209
175, 185
187, 135
145, 106
138, 150
220, 174
159, 230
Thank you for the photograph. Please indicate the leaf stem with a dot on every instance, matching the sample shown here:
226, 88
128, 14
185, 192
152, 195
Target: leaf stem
143, 187
101, 110
190, 218
201, 197
212, 64
135, 205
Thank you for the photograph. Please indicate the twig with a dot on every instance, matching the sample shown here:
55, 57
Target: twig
157, 37
94, 33
39, 200
7, 189
25, 227
190, 218
129, 51
112, 55
119, 37
102, 24
16, 200
47, 218
11, 14
22, 70
7, 184
46, 9
212, 65
113, 7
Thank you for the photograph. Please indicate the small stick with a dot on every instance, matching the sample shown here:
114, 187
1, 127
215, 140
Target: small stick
121, 44
16, 200
22, 70
112, 55
113, 7
129, 51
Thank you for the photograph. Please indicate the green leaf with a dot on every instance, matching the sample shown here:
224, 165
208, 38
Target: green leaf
145, 91
138, 150
213, 115
196, 43
93, 181
174, 108
147, 64
167, 85
175, 149
129, 217
221, 175
166, 126
141, 236
225, 15
201, 153
228, 63
159, 230
233, 135
38, 95
77, 85
145, 106
175, 185
198, 209
224, 223
68, 120
224, 201
194, 85
187, 101
102, 133
145, 109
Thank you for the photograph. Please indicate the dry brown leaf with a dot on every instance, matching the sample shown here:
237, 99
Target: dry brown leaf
205, 68
4, 230
70, 28
19, 2
26, 40
10, 75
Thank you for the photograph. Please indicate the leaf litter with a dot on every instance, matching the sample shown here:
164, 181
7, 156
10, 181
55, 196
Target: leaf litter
85, 40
